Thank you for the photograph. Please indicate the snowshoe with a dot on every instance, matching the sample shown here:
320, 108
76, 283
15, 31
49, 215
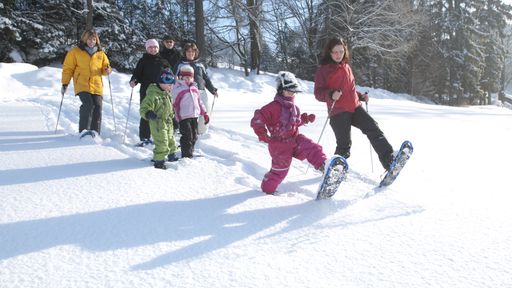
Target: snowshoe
335, 173
397, 164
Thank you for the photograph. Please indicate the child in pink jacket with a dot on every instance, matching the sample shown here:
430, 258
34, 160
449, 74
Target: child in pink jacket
188, 106
281, 119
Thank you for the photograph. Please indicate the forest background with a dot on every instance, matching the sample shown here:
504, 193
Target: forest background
453, 52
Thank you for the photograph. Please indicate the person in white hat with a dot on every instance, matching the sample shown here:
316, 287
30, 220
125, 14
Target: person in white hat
146, 72
203, 81
188, 106
277, 124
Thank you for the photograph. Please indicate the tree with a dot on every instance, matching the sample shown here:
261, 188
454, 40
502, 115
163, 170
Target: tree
89, 19
382, 31
492, 24
294, 28
199, 17
253, 11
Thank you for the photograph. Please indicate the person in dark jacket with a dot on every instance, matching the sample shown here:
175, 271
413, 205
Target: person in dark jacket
191, 57
169, 51
336, 86
173, 56
147, 71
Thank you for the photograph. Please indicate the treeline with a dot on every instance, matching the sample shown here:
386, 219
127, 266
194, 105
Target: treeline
452, 51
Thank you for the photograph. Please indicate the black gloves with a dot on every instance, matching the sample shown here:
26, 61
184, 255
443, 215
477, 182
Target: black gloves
151, 115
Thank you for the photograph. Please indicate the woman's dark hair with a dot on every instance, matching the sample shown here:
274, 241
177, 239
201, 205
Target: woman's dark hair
192, 46
326, 53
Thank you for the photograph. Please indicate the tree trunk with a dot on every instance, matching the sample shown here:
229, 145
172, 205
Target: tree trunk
254, 32
88, 19
199, 15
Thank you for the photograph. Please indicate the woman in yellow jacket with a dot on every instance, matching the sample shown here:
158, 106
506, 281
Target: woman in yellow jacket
86, 63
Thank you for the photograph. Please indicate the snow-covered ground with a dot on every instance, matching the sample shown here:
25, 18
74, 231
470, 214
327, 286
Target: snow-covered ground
85, 214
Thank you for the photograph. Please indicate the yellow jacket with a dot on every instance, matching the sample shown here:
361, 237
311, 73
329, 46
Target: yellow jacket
85, 69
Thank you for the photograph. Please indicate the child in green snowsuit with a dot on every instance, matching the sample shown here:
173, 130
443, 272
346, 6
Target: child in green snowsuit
157, 109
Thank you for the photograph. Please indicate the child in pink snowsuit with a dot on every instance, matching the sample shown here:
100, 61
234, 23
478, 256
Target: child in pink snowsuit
282, 118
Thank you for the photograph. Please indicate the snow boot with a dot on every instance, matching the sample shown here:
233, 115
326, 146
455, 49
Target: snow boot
144, 142
160, 165
172, 157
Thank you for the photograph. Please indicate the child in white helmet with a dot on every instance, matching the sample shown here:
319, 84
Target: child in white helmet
277, 124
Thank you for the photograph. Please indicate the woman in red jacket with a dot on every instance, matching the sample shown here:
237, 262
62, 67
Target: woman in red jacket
335, 84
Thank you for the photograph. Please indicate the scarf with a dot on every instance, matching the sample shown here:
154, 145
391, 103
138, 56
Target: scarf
91, 50
289, 113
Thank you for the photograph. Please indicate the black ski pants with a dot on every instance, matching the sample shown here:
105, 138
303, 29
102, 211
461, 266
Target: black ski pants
188, 131
144, 130
90, 112
341, 125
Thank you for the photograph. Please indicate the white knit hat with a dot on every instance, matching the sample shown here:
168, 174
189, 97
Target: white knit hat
186, 70
152, 42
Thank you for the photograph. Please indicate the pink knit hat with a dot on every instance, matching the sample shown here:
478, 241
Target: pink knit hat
152, 42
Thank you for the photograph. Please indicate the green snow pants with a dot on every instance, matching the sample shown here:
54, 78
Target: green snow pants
163, 139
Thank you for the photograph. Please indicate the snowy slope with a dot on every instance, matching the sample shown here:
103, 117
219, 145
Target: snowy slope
85, 214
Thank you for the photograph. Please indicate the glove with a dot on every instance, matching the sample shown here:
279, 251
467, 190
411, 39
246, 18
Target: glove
364, 97
206, 119
335, 95
151, 115
63, 89
263, 138
133, 83
305, 118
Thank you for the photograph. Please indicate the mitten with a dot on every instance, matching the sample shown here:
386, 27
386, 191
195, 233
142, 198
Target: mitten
263, 138
206, 119
151, 115
305, 118
64, 88
363, 97
335, 95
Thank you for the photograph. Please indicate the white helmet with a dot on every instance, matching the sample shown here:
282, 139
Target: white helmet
287, 81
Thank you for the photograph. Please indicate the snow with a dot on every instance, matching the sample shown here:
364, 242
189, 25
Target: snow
97, 214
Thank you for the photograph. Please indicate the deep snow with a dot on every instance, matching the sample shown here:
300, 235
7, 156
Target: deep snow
85, 214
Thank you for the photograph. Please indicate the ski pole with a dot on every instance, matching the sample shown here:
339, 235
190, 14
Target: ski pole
325, 124
128, 116
323, 129
213, 103
60, 107
371, 153
112, 101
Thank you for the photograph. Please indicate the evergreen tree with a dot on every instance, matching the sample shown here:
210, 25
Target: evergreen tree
492, 17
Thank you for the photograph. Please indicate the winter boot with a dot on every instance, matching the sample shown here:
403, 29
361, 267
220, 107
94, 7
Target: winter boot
172, 157
160, 165
144, 142
91, 133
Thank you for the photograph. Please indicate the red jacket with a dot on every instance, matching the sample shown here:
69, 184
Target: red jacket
268, 120
332, 77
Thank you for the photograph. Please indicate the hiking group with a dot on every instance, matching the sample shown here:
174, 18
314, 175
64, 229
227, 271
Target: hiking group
173, 100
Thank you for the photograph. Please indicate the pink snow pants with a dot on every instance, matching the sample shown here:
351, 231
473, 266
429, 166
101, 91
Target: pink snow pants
282, 153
